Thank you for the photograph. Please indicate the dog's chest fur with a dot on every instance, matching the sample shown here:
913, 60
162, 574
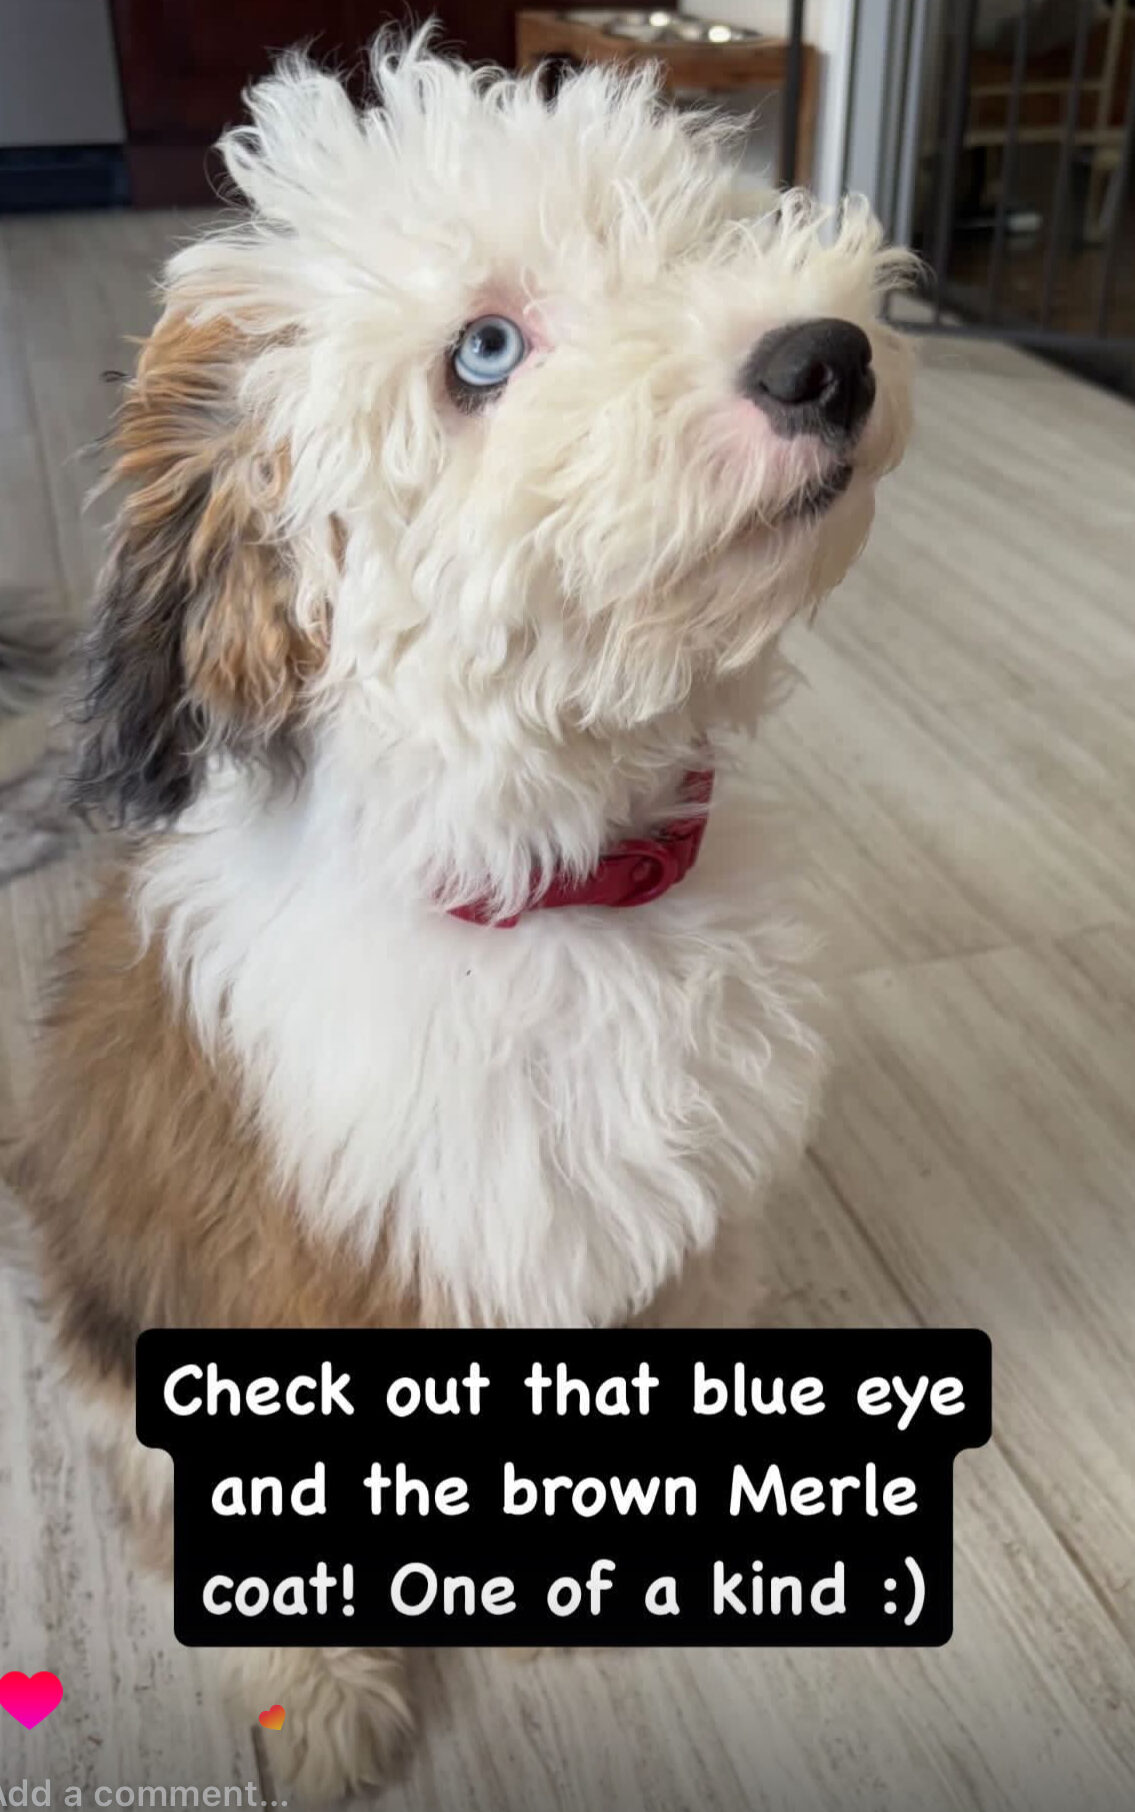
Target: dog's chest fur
538, 1125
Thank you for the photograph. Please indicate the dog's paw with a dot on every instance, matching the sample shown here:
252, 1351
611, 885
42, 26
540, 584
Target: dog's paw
347, 1719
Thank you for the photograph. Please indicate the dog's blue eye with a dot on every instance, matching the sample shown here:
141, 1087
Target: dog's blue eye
488, 352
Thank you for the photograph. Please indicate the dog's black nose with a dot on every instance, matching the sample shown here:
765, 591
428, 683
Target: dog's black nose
812, 377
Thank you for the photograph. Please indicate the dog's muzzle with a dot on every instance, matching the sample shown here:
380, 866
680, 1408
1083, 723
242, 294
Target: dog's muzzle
812, 377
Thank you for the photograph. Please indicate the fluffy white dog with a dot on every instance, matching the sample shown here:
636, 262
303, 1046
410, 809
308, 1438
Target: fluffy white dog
469, 482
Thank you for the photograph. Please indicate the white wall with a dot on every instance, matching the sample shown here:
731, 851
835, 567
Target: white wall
827, 25
58, 77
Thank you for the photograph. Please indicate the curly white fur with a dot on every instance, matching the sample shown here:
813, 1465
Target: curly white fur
540, 617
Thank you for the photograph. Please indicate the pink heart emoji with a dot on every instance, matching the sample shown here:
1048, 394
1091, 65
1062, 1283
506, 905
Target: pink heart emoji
29, 1701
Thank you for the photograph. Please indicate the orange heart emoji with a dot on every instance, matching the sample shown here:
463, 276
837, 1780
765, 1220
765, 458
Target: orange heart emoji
273, 1718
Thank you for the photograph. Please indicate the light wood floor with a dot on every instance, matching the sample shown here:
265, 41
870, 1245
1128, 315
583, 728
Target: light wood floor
962, 763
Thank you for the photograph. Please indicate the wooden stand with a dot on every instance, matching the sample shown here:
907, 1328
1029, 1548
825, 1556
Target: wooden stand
713, 68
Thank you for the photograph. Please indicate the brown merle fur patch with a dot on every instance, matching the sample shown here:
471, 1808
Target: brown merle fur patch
195, 643
150, 1184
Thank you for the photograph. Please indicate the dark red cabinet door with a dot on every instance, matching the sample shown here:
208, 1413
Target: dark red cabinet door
183, 64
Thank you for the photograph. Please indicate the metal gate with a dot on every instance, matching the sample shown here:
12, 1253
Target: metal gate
1007, 163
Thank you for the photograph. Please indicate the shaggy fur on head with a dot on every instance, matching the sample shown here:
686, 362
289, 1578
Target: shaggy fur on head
365, 650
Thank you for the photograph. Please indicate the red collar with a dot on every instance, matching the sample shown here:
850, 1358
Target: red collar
629, 873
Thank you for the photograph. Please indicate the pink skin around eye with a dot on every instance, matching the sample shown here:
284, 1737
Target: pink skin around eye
528, 316
535, 328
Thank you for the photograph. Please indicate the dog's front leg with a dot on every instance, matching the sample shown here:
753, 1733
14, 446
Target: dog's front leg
347, 1715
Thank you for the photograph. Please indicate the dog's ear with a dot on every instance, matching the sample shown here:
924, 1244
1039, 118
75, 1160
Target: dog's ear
194, 646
